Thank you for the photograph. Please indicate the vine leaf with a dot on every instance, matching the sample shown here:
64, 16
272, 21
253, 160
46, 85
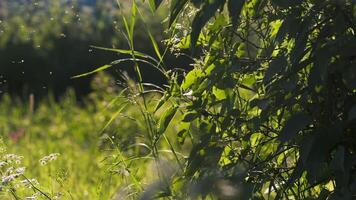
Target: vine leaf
166, 119
295, 124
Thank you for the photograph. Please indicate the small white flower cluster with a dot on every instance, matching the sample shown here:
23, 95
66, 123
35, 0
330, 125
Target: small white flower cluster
12, 158
12, 175
12, 172
3, 163
49, 158
33, 196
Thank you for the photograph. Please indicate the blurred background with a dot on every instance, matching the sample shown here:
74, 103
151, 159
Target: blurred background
43, 43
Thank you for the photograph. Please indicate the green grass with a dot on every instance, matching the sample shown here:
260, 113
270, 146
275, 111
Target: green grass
83, 169
79, 172
105, 149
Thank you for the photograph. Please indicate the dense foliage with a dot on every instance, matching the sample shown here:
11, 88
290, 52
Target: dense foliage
269, 109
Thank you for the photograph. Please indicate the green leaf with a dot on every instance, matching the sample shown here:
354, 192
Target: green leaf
352, 113
191, 78
154, 4
155, 45
295, 124
132, 23
219, 94
166, 119
161, 102
275, 27
182, 134
190, 116
123, 51
282, 32
176, 8
116, 62
93, 72
202, 17
203, 86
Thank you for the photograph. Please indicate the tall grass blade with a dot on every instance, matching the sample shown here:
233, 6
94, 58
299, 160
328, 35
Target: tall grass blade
126, 52
104, 67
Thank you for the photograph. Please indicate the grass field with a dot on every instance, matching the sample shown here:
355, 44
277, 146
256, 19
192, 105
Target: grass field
65, 149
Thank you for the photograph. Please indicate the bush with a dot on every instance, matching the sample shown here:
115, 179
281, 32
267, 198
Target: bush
269, 108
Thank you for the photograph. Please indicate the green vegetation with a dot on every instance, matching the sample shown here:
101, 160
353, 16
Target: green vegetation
267, 112
65, 151
80, 170
269, 106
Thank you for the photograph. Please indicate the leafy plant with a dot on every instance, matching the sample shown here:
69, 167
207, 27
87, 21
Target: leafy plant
268, 110
269, 106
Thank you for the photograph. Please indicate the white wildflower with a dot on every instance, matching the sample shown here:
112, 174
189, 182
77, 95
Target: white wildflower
9, 170
20, 170
50, 157
2, 163
12, 158
8, 179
